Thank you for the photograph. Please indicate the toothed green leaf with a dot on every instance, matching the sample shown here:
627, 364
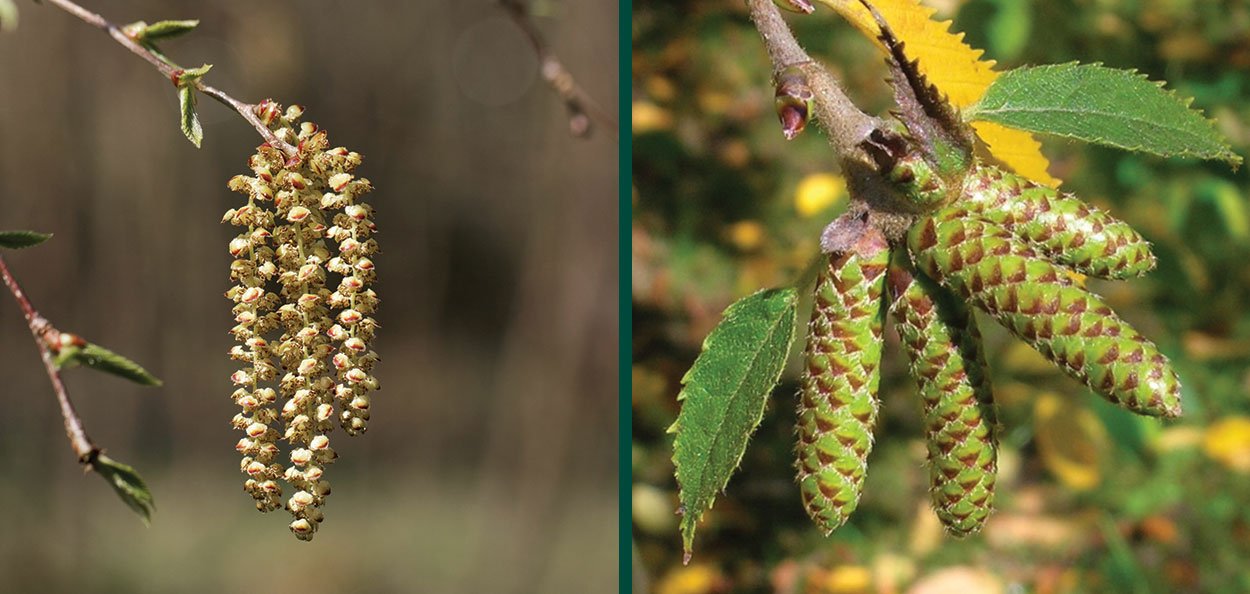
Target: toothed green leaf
101, 359
723, 397
1093, 103
16, 240
190, 121
128, 485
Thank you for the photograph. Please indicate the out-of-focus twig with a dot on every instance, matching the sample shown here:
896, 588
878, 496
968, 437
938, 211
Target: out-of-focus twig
582, 108
47, 338
171, 72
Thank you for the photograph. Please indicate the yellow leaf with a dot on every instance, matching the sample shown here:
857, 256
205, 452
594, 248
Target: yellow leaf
1071, 441
1228, 442
954, 68
649, 117
817, 192
695, 579
847, 579
746, 235
1018, 150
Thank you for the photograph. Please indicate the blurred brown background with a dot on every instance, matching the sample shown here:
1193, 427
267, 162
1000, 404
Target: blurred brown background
489, 463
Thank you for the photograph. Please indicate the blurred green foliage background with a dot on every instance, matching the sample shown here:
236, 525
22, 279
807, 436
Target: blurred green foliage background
489, 462
1091, 498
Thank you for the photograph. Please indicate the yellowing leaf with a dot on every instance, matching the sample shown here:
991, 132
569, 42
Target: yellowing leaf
747, 235
649, 117
695, 579
1017, 149
1228, 442
846, 579
1071, 441
955, 68
817, 192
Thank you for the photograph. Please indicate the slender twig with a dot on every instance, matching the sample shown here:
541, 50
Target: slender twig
582, 108
171, 71
872, 200
45, 338
846, 124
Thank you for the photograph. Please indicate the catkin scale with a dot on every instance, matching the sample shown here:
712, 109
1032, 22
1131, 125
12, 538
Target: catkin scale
943, 345
1038, 302
1060, 226
838, 399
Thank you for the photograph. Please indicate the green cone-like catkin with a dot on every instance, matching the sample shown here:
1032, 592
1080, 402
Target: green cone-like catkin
1038, 302
838, 400
943, 344
1061, 227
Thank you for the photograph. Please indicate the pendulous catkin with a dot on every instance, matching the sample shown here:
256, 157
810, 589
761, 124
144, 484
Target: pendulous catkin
838, 399
947, 362
304, 222
1038, 302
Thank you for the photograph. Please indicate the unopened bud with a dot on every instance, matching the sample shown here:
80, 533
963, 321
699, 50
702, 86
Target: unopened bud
793, 101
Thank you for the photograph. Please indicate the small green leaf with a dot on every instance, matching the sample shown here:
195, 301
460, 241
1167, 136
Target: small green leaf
101, 359
187, 78
165, 30
16, 240
8, 16
128, 485
723, 397
1093, 103
190, 121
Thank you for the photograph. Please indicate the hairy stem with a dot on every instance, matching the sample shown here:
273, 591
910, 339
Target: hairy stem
44, 335
171, 71
582, 108
846, 125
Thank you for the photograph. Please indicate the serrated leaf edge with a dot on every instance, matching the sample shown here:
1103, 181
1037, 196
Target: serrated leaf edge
972, 113
690, 518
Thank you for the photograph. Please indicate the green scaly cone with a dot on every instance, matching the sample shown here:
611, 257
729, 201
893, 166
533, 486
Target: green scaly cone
1061, 227
942, 342
838, 400
1037, 301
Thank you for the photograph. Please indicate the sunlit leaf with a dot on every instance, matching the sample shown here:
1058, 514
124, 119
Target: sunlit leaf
723, 397
818, 192
1093, 103
954, 68
166, 29
101, 359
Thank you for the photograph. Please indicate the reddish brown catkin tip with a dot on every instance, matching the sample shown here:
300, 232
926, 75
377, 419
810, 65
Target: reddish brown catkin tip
1038, 302
1061, 227
942, 342
838, 400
